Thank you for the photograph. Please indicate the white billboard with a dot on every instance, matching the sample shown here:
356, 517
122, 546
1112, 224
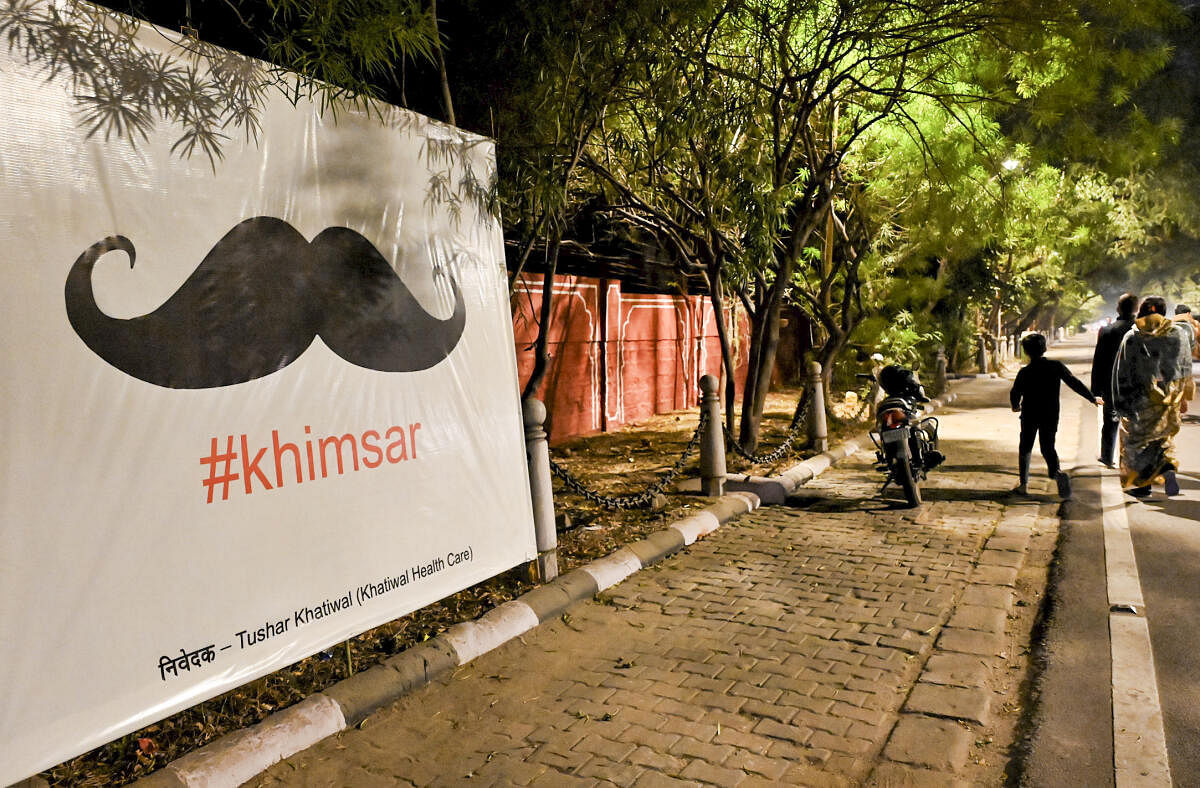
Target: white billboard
248, 410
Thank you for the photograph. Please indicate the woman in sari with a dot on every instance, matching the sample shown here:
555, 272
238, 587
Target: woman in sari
1152, 373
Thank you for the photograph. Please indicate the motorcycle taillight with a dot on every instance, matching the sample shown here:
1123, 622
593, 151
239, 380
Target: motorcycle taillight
892, 418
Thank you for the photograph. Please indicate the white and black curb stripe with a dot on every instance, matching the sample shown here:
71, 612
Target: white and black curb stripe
775, 489
237, 757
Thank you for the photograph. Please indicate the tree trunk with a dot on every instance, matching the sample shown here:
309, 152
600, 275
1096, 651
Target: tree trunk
714, 295
764, 346
441, 64
541, 354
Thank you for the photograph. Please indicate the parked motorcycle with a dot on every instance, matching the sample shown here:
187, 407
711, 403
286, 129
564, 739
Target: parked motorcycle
906, 441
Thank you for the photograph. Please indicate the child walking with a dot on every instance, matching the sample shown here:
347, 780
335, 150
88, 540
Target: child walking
1035, 395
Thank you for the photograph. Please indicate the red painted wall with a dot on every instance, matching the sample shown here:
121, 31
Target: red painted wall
615, 357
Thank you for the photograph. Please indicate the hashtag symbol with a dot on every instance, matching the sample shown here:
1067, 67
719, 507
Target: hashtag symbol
212, 460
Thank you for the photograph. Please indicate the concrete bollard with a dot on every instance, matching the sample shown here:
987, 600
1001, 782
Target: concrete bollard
981, 356
941, 380
712, 442
818, 432
537, 453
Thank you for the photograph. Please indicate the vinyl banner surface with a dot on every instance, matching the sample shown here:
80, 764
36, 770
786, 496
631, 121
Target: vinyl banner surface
249, 408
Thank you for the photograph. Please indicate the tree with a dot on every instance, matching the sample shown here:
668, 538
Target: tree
775, 97
334, 52
556, 69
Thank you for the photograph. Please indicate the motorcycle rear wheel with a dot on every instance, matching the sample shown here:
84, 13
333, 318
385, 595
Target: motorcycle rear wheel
902, 472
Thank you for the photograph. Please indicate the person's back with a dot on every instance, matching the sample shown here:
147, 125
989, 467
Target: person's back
1037, 387
1035, 394
1108, 343
1183, 316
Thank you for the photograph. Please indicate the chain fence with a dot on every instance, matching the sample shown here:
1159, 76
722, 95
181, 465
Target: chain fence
868, 401
644, 499
799, 419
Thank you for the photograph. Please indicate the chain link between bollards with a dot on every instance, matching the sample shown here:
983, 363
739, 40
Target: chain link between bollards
643, 499
798, 421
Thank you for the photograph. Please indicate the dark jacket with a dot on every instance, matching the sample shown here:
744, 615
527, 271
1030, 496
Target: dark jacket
1107, 344
1035, 391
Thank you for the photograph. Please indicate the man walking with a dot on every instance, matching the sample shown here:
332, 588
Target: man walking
1107, 344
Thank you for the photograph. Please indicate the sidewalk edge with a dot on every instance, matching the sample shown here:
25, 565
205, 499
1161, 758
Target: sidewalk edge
774, 489
240, 755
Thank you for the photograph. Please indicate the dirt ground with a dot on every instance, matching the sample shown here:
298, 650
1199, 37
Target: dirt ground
623, 462
996, 754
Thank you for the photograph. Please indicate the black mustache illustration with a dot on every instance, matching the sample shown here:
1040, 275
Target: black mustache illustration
257, 301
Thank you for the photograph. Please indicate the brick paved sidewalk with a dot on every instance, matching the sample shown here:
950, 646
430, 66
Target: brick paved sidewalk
835, 640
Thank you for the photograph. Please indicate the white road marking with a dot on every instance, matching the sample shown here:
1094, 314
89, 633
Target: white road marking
1139, 740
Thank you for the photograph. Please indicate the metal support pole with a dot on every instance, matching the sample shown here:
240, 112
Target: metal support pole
940, 379
712, 442
537, 453
818, 433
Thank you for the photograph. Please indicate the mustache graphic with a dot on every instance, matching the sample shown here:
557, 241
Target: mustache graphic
256, 302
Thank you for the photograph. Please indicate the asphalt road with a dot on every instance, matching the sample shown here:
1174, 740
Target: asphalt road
1071, 741
1166, 541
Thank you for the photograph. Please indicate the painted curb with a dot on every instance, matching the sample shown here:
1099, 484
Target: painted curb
774, 489
238, 756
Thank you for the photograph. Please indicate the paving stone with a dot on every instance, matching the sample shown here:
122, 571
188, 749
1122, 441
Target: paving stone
755, 694
1015, 530
657, 780
1001, 558
656, 759
618, 772
825, 722
928, 742
775, 711
700, 731
858, 713
513, 771
995, 575
715, 700
984, 619
563, 760
693, 748
797, 734
988, 596
957, 669
637, 734
1014, 544
808, 622
970, 641
960, 703
844, 744
710, 773
895, 775
596, 745
809, 776
770, 768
